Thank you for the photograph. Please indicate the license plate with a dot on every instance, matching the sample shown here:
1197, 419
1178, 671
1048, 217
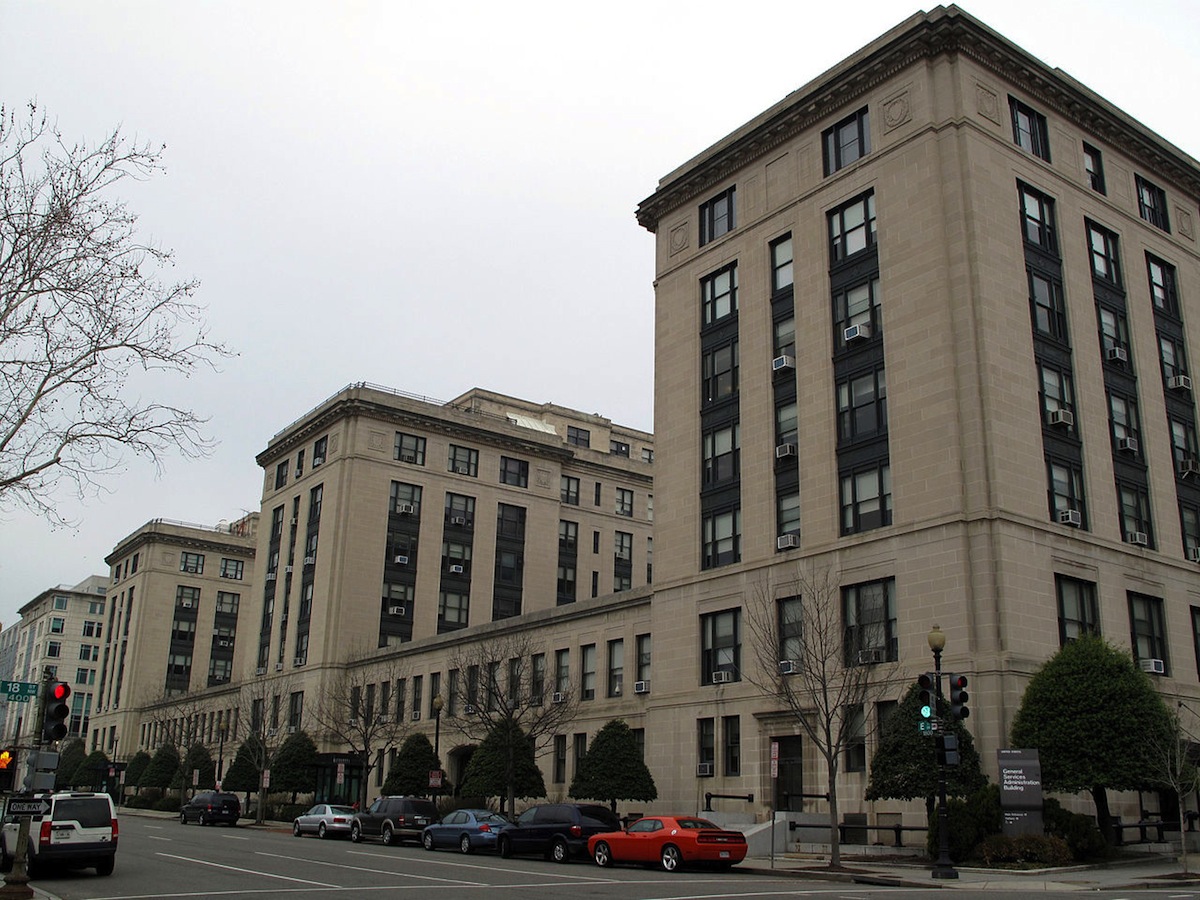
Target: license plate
724, 854
422, 821
59, 837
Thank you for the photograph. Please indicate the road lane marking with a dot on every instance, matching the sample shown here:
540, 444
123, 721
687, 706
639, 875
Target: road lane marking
155, 837
487, 868
205, 862
375, 871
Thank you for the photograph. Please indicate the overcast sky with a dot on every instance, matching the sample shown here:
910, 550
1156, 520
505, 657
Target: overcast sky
437, 196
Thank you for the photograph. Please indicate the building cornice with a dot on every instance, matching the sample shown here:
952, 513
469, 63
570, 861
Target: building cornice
945, 31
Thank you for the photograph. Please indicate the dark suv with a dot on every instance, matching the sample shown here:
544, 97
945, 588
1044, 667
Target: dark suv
557, 830
394, 819
210, 807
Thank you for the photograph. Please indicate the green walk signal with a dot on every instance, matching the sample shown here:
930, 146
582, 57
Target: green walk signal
927, 681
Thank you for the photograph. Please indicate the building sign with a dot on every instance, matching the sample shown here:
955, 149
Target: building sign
1020, 791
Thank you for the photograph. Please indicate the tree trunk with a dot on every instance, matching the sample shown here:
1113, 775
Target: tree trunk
1183, 854
1103, 817
835, 844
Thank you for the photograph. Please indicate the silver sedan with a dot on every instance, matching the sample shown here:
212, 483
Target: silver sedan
324, 820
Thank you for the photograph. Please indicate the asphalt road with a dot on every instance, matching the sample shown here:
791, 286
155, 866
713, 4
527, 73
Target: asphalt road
159, 858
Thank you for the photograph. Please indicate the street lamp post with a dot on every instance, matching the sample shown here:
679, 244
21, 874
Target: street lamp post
438, 703
944, 866
221, 729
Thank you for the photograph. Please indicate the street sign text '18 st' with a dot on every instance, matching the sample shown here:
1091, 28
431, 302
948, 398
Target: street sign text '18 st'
19, 691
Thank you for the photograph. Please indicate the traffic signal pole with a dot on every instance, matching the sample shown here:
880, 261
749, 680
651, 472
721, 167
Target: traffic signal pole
944, 866
16, 880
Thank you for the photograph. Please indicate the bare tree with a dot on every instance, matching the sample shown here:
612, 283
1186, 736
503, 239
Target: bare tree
823, 671
82, 310
353, 711
176, 718
506, 681
1176, 756
262, 714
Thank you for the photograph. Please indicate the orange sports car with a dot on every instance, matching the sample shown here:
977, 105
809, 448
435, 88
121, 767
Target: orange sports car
671, 842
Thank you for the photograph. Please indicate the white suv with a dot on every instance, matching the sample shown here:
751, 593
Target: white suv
80, 831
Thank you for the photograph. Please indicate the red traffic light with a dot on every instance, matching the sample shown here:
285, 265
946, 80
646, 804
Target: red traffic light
925, 680
60, 691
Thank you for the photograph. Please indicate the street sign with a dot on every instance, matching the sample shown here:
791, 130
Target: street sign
28, 807
19, 691
435, 779
925, 727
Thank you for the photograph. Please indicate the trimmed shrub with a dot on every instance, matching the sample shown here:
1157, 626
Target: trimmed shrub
1080, 831
169, 802
1024, 849
971, 820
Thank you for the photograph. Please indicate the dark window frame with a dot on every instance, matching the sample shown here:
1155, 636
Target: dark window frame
1031, 132
718, 215
847, 141
1152, 203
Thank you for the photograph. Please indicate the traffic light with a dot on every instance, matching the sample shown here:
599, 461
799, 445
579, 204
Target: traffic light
56, 712
958, 696
947, 749
927, 701
8, 770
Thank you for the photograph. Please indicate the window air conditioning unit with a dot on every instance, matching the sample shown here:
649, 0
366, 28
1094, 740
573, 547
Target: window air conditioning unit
456, 570
294, 520
299, 471
1128, 444
458, 520
271, 732
408, 457
318, 460
310, 560
856, 333
1153, 666
353, 723
405, 509
271, 576
641, 687
783, 362
462, 470
299, 660
416, 715
1189, 466
400, 559
225, 643
396, 610
186, 604
558, 697
1137, 537
1064, 418
704, 770
1117, 355
1179, 383
287, 570
867, 657
721, 676
787, 541
787, 667
1194, 554
384, 719
261, 670
278, 667
469, 709
783, 451
1069, 517
291, 729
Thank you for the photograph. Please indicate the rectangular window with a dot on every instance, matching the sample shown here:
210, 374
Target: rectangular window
579, 750
1152, 204
781, 264
1106, 263
562, 671
320, 448
232, 568
1057, 395
58, 626
856, 738
790, 625
616, 667
1066, 492
785, 337
54, 649
89, 652
847, 141
560, 759
722, 538
1078, 612
1164, 293
187, 597
316, 497
857, 306
1114, 337
869, 614
452, 610
1030, 131
786, 424
720, 373
1147, 629
718, 295
706, 740
1184, 451
569, 490
624, 502
510, 521
721, 447
862, 407
1173, 359
514, 471
731, 733
1093, 165
1123, 425
721, 646
623, 546
410, 448
643, 657
192, 563
463, 460
1037, 214
852, 227
579, 437
537, 679
787, 515
717, 216
587, 672
568, 536
1134, 509
460, 511
281, 474
866, 498
1189, 517
1047, 305
618, 448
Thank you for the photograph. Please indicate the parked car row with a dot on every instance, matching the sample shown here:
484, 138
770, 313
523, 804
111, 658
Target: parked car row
557, 831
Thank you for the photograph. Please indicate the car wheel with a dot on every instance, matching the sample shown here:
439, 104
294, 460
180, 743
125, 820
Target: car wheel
183, 818
356, 832
321, 831
603, 855
670, 858
427, 840
387, 836
105, 867
464, 843
560, 852
505, 847
295, 829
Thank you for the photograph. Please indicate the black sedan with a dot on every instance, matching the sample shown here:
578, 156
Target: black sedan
467, 829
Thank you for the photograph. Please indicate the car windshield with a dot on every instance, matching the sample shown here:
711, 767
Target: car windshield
491, 819
89, 813
696, 824
342, 810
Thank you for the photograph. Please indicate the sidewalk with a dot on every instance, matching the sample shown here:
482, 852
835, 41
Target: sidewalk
1137, 873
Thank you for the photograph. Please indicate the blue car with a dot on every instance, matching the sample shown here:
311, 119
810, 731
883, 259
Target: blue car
467, 829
